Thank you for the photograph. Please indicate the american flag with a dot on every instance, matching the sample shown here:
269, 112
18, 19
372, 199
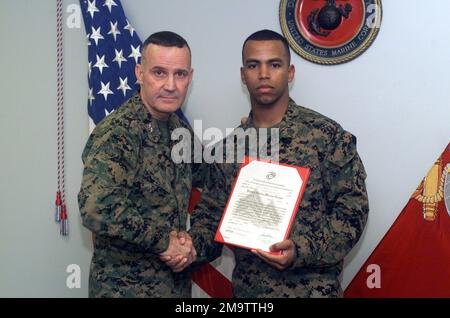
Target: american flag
113, 50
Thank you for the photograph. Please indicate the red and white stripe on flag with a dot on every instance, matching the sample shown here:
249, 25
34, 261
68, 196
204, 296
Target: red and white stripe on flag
212, 279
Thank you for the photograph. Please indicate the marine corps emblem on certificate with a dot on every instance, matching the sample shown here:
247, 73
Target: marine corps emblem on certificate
330, 31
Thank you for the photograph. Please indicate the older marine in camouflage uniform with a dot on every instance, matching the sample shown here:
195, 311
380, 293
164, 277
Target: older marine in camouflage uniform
329, 221
132, 196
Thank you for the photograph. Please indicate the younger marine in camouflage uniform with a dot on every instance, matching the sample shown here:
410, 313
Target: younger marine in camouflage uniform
330, 218
334, 207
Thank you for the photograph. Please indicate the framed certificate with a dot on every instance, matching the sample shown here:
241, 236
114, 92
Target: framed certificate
262, 205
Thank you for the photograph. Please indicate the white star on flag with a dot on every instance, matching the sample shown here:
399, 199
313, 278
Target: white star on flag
100, 63
119, 58
89, 69
110, 4
135, 53
90, 96
124, 85
129, 28
114, 30
92, 8
96, 35
105, 91
107, 112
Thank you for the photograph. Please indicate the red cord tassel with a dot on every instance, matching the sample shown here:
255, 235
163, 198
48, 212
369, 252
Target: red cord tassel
58, 207
64, 221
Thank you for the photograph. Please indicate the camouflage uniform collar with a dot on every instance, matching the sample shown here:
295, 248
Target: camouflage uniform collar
291, 112
155, 133
140, 109
146, 119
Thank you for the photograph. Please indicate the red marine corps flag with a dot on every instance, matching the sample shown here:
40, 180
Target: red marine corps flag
413, 258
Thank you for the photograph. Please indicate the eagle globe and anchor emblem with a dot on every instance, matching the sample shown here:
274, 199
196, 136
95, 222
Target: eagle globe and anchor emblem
328, 18
271, 175
330, 31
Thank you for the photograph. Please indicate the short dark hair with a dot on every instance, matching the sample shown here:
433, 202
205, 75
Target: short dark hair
268, 35
167, 39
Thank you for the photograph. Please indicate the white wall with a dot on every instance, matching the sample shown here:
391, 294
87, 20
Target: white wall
33, 256
394, 98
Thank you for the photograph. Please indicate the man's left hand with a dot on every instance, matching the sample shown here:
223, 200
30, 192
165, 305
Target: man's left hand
283, 259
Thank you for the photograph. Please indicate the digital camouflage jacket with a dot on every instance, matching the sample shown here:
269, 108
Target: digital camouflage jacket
329, 222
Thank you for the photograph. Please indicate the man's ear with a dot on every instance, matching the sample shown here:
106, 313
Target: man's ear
291, 72
138, 73
191, 74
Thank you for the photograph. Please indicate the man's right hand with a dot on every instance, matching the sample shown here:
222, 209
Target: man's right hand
180, 253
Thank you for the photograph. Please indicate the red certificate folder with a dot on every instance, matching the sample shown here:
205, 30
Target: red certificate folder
303, 174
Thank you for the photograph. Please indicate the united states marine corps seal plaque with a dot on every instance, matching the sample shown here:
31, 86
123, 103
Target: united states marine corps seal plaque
330, 31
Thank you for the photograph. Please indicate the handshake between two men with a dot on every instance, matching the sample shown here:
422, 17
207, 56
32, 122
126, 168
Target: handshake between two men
181, 253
